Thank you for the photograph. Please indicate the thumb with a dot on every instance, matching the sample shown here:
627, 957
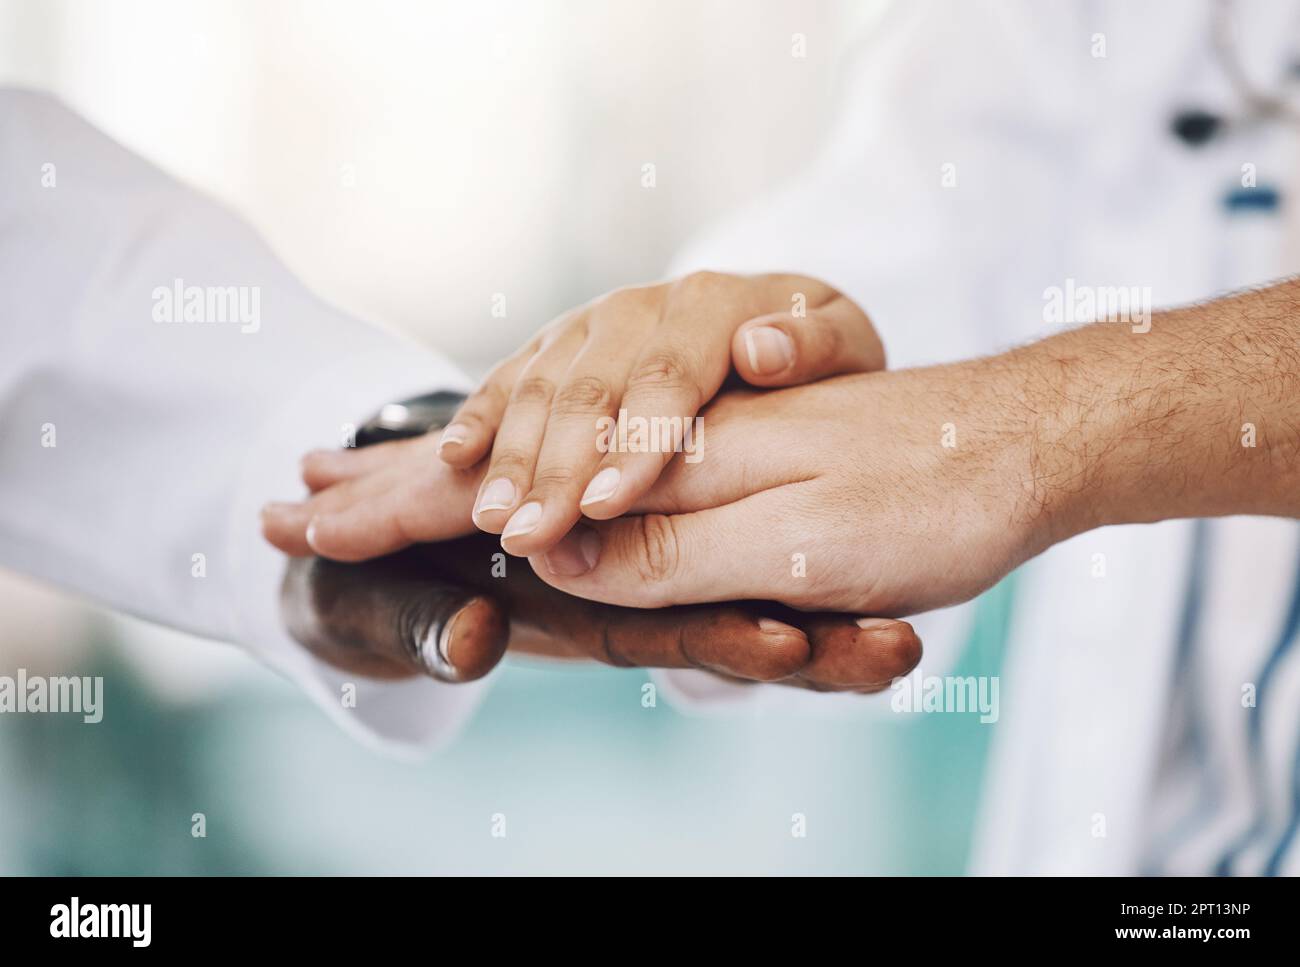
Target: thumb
390, 618
782, 349
735, 551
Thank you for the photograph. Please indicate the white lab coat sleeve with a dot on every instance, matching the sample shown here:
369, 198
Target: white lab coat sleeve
872, 213
138, 447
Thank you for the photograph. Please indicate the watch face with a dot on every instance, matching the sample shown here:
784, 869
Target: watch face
410, 418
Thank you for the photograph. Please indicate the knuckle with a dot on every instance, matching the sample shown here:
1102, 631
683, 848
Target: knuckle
552, 479
657, 550
781, 660
664, 370
509, 462
818, 292
608, 650
702, 284
533, 389
583, 395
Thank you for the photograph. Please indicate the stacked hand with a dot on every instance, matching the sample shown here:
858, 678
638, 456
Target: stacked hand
656, 351
434, 609
881, 494
837, 496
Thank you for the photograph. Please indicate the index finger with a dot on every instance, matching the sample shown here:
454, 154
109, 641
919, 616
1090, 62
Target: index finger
680, 368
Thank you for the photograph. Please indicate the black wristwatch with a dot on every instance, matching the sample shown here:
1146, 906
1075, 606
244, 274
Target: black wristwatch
408, 418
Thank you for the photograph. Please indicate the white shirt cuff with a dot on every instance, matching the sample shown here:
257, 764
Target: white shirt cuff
405, 717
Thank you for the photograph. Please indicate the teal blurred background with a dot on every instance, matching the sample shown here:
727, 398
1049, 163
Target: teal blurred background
587, 779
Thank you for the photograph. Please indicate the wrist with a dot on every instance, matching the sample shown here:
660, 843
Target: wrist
994, 451
1194, 417
1105, 425
1041, 463
1071, 415
1041, 417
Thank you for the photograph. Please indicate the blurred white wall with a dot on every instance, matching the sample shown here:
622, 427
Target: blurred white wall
412, 159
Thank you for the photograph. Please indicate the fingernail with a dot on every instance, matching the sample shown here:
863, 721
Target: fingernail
870, 622
311, 533
438, 658
602, 486
453, 435
770, 350
577, 553
777, 627
498, 495
468, 643
524, 520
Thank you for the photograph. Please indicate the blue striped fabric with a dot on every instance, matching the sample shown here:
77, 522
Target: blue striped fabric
1258, 768
1184, 663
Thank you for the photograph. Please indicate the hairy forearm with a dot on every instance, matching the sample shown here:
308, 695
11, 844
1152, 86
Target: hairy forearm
1198, 417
